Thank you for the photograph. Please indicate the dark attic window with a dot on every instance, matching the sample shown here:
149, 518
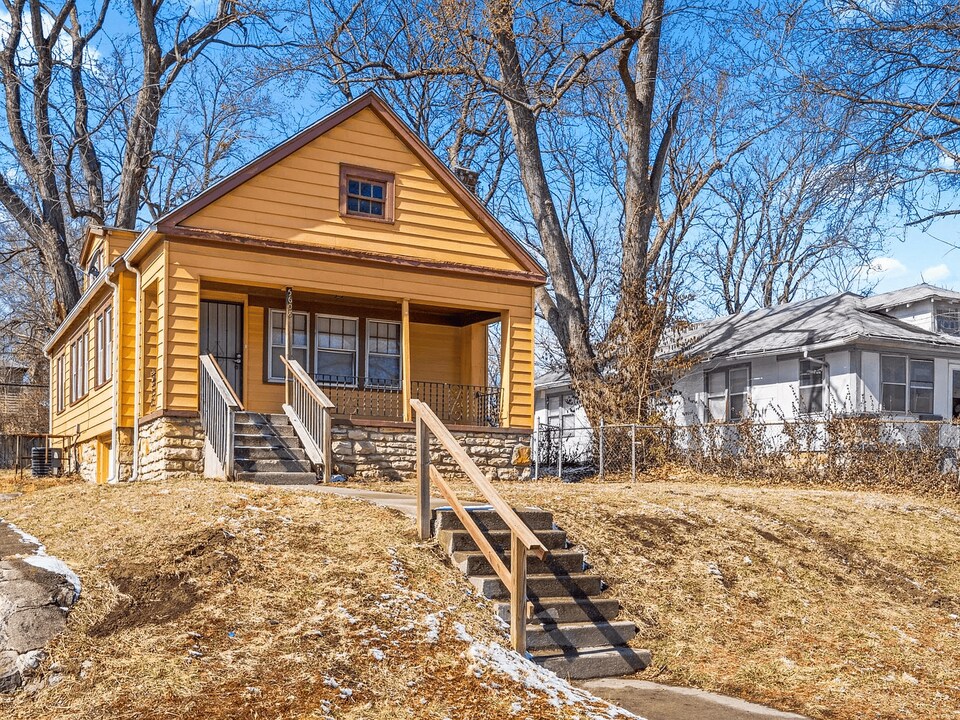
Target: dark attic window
366, 194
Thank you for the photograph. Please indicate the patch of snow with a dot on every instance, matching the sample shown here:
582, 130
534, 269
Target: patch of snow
432, 621
330, 682
377, 653
40, 559
495, 658
462, 633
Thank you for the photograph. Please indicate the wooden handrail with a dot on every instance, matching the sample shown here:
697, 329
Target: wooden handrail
522, 538
222, 384
296, 369
530, 541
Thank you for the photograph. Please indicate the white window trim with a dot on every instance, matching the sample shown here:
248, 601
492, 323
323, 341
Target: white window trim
356, 352
79, 367
283, 376
933, 382
366, 349
103, 346
61, 380
726, 390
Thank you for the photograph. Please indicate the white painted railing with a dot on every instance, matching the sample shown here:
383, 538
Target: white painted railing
310, 411
219, 406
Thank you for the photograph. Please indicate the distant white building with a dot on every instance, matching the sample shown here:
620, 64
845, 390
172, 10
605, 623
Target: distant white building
897, 354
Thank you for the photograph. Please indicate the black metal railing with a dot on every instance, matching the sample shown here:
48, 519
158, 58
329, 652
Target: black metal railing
376, 398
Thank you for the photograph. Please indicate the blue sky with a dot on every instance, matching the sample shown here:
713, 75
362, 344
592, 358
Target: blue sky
917, 254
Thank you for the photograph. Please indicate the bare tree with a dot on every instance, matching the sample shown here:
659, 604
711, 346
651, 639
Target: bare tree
64, 170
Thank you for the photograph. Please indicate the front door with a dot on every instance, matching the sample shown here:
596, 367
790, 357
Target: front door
221, 335
955, 391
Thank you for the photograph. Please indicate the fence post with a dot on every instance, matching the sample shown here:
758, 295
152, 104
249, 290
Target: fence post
633, 452
423, 479
518, 594
535, 449
601, 449
560, 450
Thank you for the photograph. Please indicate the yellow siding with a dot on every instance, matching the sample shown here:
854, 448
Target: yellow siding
189, 262
126, 346
153, 271
435, 353
297, 201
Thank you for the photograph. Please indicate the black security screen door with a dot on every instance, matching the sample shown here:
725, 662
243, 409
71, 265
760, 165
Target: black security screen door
221, 335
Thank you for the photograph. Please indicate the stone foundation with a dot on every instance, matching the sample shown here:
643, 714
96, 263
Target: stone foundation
171, 448
87, 460
86, 453
388, 451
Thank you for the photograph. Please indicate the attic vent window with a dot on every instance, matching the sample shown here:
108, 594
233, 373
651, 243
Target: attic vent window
366, 194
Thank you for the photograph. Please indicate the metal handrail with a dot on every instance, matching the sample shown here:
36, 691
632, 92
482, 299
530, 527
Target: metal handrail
522, 538
310, 412
219, 406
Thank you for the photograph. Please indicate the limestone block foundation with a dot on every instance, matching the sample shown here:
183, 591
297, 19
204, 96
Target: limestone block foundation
171, 448
387, 451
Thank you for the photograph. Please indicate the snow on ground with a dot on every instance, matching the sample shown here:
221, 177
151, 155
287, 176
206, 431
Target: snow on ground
39, 558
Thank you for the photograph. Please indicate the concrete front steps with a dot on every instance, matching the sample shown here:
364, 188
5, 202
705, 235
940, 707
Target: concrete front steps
573, 629
267, 450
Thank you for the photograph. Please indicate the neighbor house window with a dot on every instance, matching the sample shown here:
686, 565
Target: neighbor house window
383, 352
103, 347
906, 384
366, 193
921, 387
336, 360
61, 381
278, 342
727, 391
811, 385
78, 367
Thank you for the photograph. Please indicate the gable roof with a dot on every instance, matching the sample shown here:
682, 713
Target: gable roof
824, 321
908, 295
170, 222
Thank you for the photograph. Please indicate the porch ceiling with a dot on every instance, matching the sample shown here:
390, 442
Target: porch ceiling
343, 305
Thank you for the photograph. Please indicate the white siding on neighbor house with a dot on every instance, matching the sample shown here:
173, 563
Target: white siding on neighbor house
842, 382
870, 374
869, 381
920, 314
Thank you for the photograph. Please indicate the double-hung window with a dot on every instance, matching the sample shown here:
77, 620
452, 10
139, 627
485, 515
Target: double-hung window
336, 360
278, 342
78, 367
103, 347
811, 385
383, 353
61, 381
727, 391
906, 384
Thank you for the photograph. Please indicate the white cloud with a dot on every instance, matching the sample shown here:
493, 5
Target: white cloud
884, 267
936, 273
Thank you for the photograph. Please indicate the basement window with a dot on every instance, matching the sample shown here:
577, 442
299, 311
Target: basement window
366, 194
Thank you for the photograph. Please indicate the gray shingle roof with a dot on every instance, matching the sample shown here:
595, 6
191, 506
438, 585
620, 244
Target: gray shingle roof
912, 294
830, 320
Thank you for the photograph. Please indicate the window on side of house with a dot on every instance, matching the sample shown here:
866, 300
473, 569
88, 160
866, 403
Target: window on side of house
893, 383
78, 367
383, 353
727, 391
336, 358
278, 342
95, 266
61, 381
366, 194
811, 385
921, 387
103, 347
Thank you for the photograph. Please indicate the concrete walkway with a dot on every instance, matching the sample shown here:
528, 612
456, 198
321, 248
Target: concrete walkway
647, 699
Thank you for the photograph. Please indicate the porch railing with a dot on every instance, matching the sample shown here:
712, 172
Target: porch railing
219, 405
476, 405
522, 538
310, 414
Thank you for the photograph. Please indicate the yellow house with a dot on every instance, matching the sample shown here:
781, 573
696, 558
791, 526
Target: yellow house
350, 251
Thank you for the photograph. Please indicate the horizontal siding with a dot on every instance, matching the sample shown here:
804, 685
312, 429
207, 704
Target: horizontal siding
93, 414
436, 352
297, 201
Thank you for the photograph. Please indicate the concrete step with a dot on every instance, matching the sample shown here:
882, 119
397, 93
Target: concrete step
565, 609
562, 561
246, 428
247, 440
594, 663
270, 453
273, 466
459, 540
573, 636
262, 419
577, 585
490, 520
278, 478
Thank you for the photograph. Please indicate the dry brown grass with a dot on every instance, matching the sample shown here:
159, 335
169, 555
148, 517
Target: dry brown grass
218, 600
847, 607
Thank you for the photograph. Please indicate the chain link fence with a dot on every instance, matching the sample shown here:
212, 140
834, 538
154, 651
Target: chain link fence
856, 451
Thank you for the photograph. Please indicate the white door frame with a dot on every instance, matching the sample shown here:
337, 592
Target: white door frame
953, 367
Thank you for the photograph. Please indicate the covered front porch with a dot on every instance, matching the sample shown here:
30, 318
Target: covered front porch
369, 355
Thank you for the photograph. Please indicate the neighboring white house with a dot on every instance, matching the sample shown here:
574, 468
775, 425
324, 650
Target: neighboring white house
897, 353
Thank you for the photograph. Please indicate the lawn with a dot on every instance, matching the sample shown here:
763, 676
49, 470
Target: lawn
218, 600
829, 603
